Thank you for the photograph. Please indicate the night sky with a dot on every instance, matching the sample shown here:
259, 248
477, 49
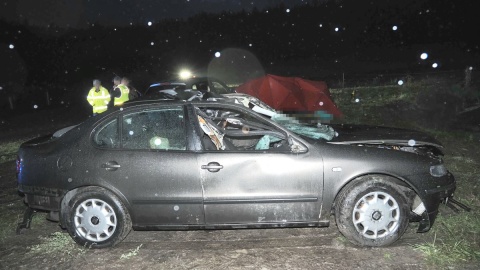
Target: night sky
81, 13
60, 46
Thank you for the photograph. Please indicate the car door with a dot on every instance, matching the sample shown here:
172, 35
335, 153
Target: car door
144, 155
243, 184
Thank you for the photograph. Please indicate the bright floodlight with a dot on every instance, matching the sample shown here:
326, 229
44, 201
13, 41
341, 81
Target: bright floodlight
424, 56
434, 65
185, 74
217, 54
400, 82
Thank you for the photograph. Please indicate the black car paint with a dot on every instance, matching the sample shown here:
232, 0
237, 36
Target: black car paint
53, 167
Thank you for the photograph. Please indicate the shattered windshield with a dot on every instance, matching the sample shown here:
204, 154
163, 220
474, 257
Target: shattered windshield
315, 132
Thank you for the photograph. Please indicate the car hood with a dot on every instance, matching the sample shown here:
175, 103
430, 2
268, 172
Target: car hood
362, 134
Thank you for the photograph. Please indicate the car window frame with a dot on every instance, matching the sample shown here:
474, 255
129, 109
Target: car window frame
148, 110
288, 135
191, 144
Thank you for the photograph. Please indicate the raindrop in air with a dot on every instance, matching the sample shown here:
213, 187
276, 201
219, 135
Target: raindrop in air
400, 82
470, 68
434, 65
357, 100
130, 132
336, 29
35, 106
288, 10
1, 88
394, 28
11, 46
152, 43
320, 103
217, 54
250, 45
412, 142
424, 56
149, 23
320, 25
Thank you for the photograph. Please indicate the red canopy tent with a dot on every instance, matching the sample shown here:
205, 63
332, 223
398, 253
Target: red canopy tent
291, 94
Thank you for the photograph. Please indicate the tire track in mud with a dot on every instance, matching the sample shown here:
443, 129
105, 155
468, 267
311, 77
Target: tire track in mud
302, 248
231, 240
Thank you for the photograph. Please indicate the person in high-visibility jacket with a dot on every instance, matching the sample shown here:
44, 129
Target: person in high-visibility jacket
98, 97
120, 94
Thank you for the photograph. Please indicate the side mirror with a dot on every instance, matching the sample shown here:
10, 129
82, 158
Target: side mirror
296, 146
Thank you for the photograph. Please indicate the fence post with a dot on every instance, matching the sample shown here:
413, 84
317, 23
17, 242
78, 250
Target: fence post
468, 77
48, 98
10, 102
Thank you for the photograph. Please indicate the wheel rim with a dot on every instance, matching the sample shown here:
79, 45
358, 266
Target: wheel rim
376, 215
95, 220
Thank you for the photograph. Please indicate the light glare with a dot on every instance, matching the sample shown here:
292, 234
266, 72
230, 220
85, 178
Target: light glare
185, 74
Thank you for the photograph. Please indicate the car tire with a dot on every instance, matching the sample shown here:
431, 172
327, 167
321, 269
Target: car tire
96, 218
372, 211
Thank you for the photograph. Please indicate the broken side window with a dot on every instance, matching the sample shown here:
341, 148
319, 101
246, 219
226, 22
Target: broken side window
229, 129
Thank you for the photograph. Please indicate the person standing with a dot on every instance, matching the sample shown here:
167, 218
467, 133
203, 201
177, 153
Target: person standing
98, 97
120, 94
133, 94
116, 81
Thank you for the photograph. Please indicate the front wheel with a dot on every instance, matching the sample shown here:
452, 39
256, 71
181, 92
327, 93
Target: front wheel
371, 211
97, 218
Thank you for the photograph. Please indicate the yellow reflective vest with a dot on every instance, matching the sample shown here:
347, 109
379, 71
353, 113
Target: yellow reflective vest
124, 95
98, 99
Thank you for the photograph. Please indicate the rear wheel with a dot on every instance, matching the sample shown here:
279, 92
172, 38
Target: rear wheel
372, 211
97, 218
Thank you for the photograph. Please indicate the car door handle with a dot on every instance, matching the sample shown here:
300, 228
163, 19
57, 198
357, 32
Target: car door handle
212, 167
111, 166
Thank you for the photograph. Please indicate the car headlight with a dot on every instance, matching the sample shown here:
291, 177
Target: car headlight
438, 170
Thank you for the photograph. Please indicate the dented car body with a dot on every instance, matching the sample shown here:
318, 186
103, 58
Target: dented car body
209, 165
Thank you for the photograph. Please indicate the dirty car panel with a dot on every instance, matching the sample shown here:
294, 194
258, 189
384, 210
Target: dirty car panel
215, 164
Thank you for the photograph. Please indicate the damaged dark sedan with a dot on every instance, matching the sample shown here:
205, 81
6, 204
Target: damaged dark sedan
156, 165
